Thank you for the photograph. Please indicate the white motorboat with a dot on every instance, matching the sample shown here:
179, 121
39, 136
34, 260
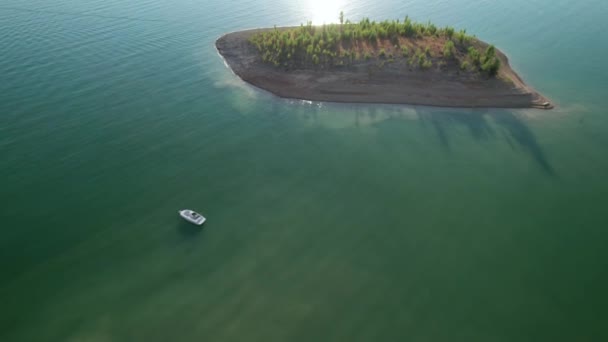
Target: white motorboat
192, 216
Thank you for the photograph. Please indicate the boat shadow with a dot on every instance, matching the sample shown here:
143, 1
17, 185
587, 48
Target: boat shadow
189, 230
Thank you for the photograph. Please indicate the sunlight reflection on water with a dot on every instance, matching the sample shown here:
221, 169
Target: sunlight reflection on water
325, 11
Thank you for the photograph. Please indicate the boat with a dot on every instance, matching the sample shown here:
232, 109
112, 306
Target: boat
192, 216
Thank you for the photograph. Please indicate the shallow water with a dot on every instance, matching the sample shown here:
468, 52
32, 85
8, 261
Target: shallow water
325, 221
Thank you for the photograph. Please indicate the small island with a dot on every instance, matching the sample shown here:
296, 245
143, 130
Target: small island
393, 62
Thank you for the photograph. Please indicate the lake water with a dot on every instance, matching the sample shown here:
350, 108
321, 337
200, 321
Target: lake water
326, 222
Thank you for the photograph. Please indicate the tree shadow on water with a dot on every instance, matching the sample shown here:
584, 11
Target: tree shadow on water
516, 133
517, 130
478, 127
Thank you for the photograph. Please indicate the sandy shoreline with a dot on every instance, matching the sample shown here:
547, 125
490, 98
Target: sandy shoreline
395, 83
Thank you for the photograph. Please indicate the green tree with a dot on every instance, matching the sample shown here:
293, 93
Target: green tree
491, 66
346, 42
462, 37
489, 62
448, 49
474, 56
449, 32
310, 50
421, 59
489, 54
431, 29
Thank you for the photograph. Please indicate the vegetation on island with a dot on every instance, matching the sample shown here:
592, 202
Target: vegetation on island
421, 46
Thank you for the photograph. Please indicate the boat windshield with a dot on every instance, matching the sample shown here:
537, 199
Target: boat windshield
194, 215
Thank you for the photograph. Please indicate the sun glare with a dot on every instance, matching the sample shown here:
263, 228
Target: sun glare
325, 11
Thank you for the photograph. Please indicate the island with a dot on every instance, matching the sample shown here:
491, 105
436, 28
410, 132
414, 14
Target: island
391, 62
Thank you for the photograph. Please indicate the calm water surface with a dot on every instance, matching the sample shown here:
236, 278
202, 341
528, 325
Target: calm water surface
325, 222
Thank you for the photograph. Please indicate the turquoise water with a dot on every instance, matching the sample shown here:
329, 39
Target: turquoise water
325, 222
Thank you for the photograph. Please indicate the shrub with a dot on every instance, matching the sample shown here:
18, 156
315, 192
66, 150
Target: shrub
310, 50
405, 51
474, 56
448, 49
421, 60
367, 56
464, 65
372, 35
491, 66
431, 29
489, 54
462, 37
382, 53
449, 32
489, 62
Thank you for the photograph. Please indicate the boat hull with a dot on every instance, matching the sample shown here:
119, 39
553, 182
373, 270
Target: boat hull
192, 217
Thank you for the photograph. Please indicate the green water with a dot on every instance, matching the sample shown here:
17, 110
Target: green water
326, 222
